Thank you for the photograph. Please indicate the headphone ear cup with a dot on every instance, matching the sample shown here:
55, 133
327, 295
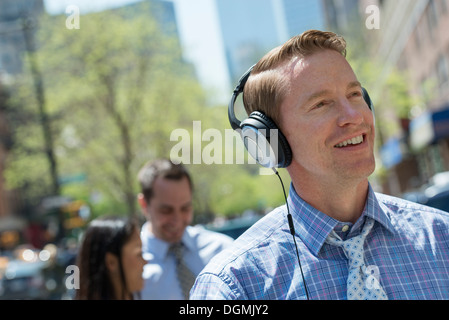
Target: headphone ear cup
265, 142
367, 99
369, 102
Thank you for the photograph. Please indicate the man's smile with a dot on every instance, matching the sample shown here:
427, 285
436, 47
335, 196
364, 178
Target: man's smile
353, 141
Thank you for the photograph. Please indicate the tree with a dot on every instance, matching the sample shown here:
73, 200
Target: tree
115, 90
112, 88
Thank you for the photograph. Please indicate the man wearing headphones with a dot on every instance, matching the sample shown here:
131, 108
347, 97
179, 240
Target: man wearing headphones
335, 238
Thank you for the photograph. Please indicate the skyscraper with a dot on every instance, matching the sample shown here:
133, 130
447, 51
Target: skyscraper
13, 14
302, 15
339, 14
242, 31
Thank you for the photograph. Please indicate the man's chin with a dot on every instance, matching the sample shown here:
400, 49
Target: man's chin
173, 238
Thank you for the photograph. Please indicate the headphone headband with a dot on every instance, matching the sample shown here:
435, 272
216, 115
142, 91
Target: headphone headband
235, 123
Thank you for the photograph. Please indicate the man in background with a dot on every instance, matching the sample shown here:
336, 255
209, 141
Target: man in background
175, 251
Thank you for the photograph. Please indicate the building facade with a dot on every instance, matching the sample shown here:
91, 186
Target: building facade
13, 14
413, 39
12, 44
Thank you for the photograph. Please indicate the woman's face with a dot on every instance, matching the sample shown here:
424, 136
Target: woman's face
133, 262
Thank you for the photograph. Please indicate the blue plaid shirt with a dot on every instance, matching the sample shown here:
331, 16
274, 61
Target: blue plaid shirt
408, 245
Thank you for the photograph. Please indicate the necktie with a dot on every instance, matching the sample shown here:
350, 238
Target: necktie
361, 284
186, 277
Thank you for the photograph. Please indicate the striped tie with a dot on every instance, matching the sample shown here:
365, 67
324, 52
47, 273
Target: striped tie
186, 277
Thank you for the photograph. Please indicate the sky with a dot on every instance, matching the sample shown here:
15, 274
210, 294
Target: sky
196, 20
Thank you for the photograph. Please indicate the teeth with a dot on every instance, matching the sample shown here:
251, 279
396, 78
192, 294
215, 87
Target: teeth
355, 140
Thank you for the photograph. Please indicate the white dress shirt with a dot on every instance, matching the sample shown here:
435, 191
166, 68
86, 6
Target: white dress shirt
159, 273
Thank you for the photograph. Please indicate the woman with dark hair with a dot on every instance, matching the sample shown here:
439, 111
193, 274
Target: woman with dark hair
110, 260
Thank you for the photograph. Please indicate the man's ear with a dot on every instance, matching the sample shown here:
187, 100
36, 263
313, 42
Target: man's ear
111, 262
143, 204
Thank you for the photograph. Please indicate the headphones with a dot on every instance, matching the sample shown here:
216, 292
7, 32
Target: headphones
261, 136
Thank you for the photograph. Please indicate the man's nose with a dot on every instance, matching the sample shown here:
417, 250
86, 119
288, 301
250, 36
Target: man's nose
349, 113
177, 217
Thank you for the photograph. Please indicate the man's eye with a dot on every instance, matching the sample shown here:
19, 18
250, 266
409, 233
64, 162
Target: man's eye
356, 94
165, 211
321, 104
187, 208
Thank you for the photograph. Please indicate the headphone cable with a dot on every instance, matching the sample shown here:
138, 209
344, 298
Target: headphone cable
292, 231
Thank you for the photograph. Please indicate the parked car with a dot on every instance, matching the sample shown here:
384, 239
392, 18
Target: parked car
32, 274
440, 200
435, 194
23, 280
234, 227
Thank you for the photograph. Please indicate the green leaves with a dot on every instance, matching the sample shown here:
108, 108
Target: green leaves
115, 89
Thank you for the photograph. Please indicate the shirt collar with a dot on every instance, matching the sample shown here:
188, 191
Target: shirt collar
314, 226
188, 240
158, 247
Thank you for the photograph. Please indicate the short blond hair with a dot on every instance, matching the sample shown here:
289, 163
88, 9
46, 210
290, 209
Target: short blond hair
265, 88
